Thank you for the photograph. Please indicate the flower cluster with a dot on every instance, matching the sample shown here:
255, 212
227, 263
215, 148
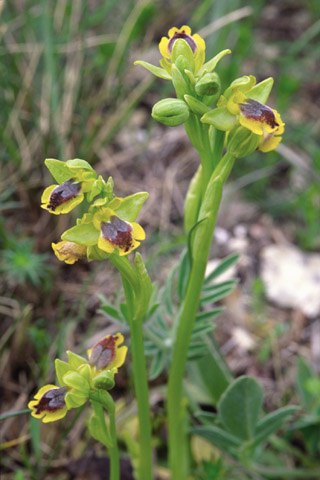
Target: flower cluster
199, 100
108, 227
78, 378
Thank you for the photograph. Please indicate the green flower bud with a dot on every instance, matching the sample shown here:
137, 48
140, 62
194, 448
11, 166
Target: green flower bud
104, 380
171, 112
242, 142
209, 84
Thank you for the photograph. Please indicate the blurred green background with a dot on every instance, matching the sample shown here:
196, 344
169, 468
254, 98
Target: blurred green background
69, 90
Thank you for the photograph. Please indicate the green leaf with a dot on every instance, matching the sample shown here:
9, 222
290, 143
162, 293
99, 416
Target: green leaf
98, 432
168, 290
202, 329
83, 234
218, 294
240, 406
217, 437
271, 423
211, 64
261, 91
131, 206
220, 118
213, 372
209, 314
304, 373
157, 71
183, 275
219, 286
157, 365
222, 267
58, 170
109, 309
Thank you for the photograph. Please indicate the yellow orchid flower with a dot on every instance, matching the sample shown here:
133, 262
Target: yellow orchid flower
116, 233
49, 404
195, 42
62, 198
69, 252
106, 354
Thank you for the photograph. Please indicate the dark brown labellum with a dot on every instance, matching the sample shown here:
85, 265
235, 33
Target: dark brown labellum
118, 232
257, 111
103, 353
52, 400
63, 193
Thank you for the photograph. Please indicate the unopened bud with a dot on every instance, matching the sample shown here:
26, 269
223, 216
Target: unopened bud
104, 380
242, 142
209, 84
171, 112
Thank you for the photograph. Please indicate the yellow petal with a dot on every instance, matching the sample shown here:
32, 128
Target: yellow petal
52, 417
270, 144
186, 29
163, 47
253, 125
105, 245
172, 31
138, 233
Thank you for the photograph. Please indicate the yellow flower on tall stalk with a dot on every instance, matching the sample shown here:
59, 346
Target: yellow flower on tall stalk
49, 404
195, 42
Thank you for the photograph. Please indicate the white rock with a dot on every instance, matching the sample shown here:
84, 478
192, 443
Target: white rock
292, 278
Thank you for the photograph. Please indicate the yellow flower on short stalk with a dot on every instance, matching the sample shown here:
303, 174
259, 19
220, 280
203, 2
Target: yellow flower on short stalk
69, 252
116, 233
49, 404
107, 354
62, 198
195, 42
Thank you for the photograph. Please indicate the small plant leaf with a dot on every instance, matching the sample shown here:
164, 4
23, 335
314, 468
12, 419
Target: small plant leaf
157, 365
271, 423
240, 406
217, 437
222, 267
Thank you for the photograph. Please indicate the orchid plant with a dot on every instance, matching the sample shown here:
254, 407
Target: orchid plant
222, 125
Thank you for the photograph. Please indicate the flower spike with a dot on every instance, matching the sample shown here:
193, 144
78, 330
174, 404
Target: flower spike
49, 403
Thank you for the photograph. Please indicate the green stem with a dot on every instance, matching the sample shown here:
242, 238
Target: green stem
201, 248
113, 451
140, 384
110, 434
